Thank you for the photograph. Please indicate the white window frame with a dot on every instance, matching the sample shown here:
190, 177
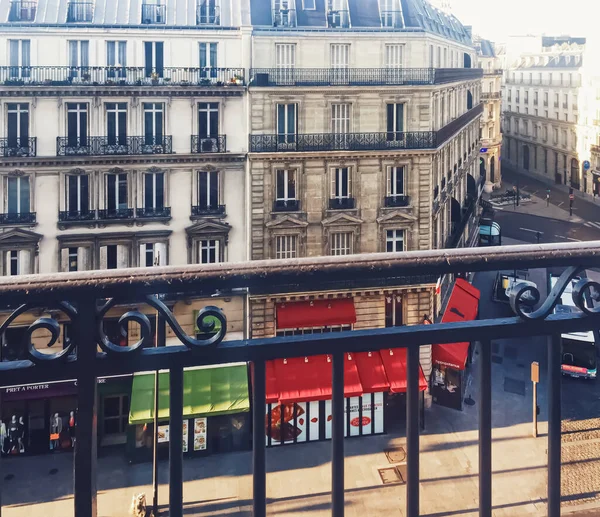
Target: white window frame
342, 243
392, 175
340, 55
394, 236
154, 187
154, 108
18, 180
156, 251
116, 111
393, 55
79, 110
285, 55
306, 5
209, 245
340, 118
336, 183
79, 195
286, 246
287, 173
208, 174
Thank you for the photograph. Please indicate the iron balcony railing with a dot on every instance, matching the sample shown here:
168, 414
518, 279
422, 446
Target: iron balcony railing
80, 295
342, 203
496, 71
397, 201
18, 218
490, 95
115, 213
22, 11
208, 210
106, 146
338, 19
80, 11
86, 76
76, 215
209, 144
360, 76
208, 13
18, 147
391, 19
153, 212
286, 205
154, 14
284, 17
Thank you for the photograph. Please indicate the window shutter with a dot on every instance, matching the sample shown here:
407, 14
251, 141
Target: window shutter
142, 257
83, 259
218, 252
389, 181
24, 262
7, 263
103, 257
334, 173
122, 256
349, 174
64, 259
160, 252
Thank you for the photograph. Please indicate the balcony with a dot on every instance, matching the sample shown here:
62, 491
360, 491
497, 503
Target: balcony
154, 14
209, 144
261, 77
208, 13
17, 218
284, 18
490, 95
22, 11
286, 205
80, 12
115, 214
338, 19
76, 216
342, 203
18, 147
496, 71
391, 19
153, 212
459, 227
118, 76
105, 146
211, 210
397, 201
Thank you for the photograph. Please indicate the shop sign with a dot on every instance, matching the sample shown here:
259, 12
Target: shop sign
163, 434
200, 434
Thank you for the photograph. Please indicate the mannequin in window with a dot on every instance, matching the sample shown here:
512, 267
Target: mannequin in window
3, 437
55, 430
21, 437
13, 435
72, 427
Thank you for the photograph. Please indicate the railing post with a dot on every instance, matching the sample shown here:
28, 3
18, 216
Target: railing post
337, 435
176, 442
485, 430
84, 464
554, 424
258, 440
412, 432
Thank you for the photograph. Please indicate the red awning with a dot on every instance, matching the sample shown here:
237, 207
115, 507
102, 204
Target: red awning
371, 372
271, 383
463, 305
306, 379
315, 313
394, 362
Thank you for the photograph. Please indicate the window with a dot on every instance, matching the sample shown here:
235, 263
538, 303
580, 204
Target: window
341, 183
337, 13
509, 96
115, 417
340, 118
116, 58
526, 96
116, 192
395, 122
75, 258
545, 133
308, 5
555, 136
564, 137
518, 96
208, 120
208, 60
72, 255
431, 64
18, 195
153, 123
284, 13
535, 97
153, 254
393, 56
17, 126
341, 243
394, 240
390, 15
209, 251
22, 11
490, 132
208, 189
535, 131
395, 181
285, 55
208, 12
116, 123
286, 123
154, 58
77, 192
77, 124
19, 57
154, 190
286, 246
285, 185
79, 59
393, 310
17, 262
556, 98
114, 256
153, 11
340, 55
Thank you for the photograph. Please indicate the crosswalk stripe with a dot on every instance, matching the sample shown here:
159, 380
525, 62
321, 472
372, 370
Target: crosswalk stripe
591, 224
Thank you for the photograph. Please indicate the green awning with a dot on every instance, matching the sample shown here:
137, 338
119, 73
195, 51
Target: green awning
206, 392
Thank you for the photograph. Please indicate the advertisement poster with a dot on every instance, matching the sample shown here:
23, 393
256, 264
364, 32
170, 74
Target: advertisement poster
375, 414
163, 433
200, 434
313, 424
286, 423
328, 419
300, 421
355, 423
185, 436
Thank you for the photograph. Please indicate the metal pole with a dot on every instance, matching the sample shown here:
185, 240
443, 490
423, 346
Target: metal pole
176, 442
412, 432
337, 443
554, 425
535, 419
485, 430
160, 338
258, 440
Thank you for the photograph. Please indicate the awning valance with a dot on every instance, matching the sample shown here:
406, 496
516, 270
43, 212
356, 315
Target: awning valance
206, 392
371, 372
315, 313
394, 362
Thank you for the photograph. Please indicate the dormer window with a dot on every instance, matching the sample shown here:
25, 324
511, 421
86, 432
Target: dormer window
154, 12
338, 15
309, 5
284, 13
390, 13
22, 11
208, 12
80, 12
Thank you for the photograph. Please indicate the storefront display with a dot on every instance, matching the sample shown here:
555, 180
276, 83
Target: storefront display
200, 434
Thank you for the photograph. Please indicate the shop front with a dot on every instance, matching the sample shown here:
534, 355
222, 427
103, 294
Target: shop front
450, 361
216, 414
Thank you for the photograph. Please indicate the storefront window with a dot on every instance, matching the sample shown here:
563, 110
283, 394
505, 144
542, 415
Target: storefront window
116, 414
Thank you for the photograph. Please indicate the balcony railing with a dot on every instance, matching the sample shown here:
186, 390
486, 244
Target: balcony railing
22, 11
490, 95
87, 76
80, 12
76, 216
81, 361
338, 19
105, 146
207, 14
496, 71
19, 147
115, 213
208, 210
18, 218
284, 18
154, 14
359, 76
209, 144
391, 19
286, 205
153, 212
397, 201
342, 203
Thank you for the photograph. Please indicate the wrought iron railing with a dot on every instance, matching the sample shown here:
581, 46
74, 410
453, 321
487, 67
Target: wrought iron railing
209, 144
80, 11
150, 212
338, 19
206, 210
154, 14
18, 147
286, 205
22, 11
108, 146
490, 95
79, 295
495, 71
18, 218
397, 201
457, 124
391, 19
87, 76
284, 17
208, 13
115, 213
342, 203
76, 215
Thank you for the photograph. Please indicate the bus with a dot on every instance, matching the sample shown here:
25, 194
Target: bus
578, 348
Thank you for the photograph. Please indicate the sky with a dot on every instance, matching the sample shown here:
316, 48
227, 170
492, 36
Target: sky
497, 19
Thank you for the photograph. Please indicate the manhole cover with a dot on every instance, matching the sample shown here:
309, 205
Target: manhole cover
510, 352
390, 475
396, 454
497, 359
514, 386
8, 477
53, 471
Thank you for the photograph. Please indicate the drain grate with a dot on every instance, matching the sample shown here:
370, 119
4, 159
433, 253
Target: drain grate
390, 475
514, 386
395, 454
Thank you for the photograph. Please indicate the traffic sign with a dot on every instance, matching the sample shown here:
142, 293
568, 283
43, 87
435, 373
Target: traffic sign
483, 150
586, 165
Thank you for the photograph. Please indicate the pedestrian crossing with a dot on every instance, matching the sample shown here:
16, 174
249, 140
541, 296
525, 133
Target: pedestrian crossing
592, 224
